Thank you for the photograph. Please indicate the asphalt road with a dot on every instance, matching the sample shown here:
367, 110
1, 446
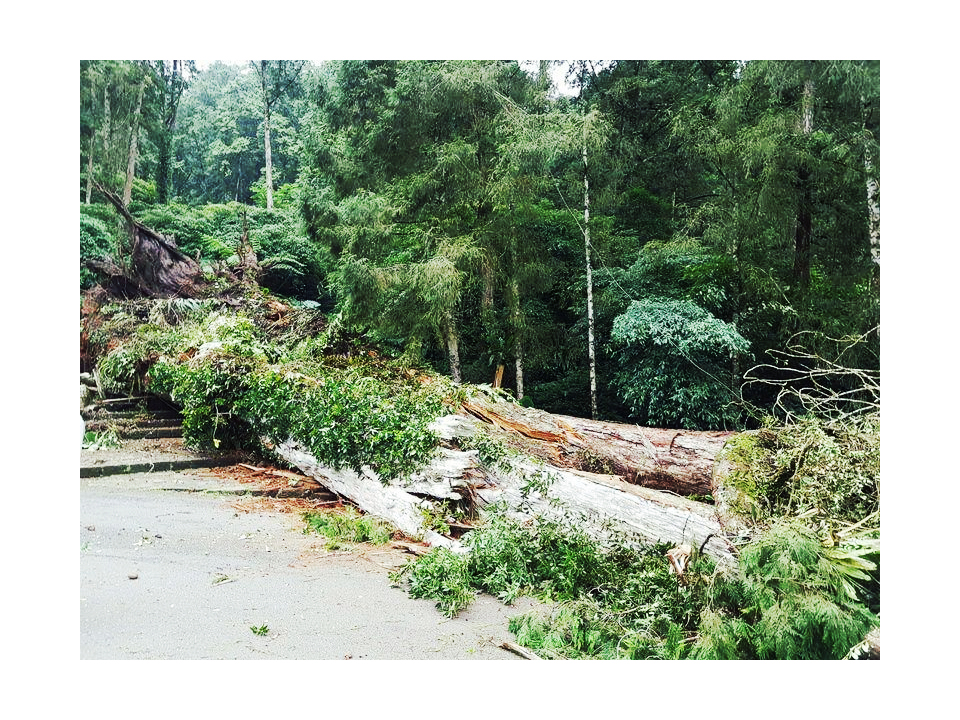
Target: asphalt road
170, 568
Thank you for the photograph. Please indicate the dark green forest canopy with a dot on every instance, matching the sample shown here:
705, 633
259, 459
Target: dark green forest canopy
437, 209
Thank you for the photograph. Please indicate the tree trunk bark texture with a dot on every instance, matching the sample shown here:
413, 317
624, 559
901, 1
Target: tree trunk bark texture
544, 479
804, 228
453, 347
678, 461
132, 155
266, 134
589, 270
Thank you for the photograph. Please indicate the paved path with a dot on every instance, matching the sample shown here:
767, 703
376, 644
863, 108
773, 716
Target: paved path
174, 566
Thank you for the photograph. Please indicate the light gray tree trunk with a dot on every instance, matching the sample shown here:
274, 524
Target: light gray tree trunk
105, 166
453, 347
517, 336
93, 142
266, 152
266, 134
519, 351
586, 243
132, 155
873, 204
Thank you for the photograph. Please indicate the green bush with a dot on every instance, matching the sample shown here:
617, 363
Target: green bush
96, 241
346, 420
828, 471
293, 264
795, 600
674, 365
791, 597
440, 575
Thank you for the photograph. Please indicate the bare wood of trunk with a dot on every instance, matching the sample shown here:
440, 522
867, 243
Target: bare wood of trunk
678, 461
393, 502
520, 650
603, 504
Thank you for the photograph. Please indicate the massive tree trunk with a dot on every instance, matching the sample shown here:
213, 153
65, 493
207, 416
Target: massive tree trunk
603, 504
548, 475
678, 461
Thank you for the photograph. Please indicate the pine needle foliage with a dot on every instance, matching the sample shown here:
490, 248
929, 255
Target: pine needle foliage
793, 602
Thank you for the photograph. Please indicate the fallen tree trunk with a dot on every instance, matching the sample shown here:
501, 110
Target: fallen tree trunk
679, 461
389, 502
600, 505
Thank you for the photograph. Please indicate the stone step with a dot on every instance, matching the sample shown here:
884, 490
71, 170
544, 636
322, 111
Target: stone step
159, 466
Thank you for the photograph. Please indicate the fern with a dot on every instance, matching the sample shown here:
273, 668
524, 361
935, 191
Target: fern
799, 601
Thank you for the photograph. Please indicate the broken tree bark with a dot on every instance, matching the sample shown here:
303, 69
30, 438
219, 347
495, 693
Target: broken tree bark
679, 461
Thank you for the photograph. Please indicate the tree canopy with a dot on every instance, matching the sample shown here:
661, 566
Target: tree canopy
438, 208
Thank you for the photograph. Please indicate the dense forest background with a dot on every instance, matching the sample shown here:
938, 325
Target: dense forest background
632, 248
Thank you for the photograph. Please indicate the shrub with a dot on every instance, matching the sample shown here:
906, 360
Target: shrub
790, 598
96, 241
440, 575
673, 359
829, 472
794, 601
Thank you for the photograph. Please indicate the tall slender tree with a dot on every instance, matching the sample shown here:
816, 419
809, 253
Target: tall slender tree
173, 76
277, 77
133, 153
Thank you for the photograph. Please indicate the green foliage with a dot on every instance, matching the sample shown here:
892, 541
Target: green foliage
293, 265
671, 356
796, 602
235, 386
830, 473
440, 575
97, 240
346, 527
792, 597
346, 420
104, 439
